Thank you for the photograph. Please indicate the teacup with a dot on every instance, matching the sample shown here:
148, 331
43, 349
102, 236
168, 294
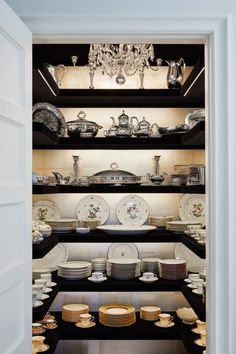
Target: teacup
48, 278
39, 289
86, 319
48, 316
98, 275
165, 319
34, 294
42, 282
197, 281
37, 328
200, 287
50, 324
201, 234
193, 276
149, 275
38, 342
203, 336
193, 228
201, 325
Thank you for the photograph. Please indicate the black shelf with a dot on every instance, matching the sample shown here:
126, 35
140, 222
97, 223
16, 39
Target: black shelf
41, 249
99, 188
194, 246
194, 139
112, 285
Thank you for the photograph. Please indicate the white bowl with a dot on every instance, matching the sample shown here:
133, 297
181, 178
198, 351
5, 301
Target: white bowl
82, 230
187, 315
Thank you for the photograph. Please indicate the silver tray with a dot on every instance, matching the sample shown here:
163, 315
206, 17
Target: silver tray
50, 116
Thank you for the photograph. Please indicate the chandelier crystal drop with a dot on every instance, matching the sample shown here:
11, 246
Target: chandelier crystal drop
121, 60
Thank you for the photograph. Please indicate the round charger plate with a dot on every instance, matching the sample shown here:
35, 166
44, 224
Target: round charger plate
59, 254
192, 208
50, 116
93, 207
122, 250
45, 209
132, 210
195, 264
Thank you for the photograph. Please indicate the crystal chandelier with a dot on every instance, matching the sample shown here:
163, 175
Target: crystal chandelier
121, 60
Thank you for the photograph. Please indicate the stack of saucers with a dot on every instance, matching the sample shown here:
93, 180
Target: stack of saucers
150, 313
72, 312
173, 269
179, 226
117, 315
160, 220
74, 270
123, 268
99, 264
150, 265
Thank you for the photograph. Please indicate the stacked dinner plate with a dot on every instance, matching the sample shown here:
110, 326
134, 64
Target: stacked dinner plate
123, 268
150, 265
150, 313
179, 226
99, 264
173, 269
160, 220
74, 270
117, 315
72, 312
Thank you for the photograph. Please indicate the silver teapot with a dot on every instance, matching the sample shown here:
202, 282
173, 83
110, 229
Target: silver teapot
124, 127
143, 129
175, 73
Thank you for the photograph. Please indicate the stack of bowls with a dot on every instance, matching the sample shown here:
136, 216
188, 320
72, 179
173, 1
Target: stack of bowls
63, 225
123, 268
99, 264
117, 315
72, 312
173, 269
150, 265
150, 313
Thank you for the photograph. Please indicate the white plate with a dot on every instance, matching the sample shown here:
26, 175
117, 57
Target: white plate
126, 229
150, 280
192, 208
45, 209
123, 260
59, 254
195, 264
120, 250
93, 207
75, 265
132, 210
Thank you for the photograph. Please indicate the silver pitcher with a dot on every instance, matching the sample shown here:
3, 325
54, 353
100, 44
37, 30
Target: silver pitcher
175, 73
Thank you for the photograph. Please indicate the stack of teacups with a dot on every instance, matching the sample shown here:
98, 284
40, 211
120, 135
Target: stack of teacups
201, 236
150, 313
48, 278
200, 329
37, 328
150, 265
173, 269
36, 273
195, 282
99, 264
72, 312
38, 288
191, 229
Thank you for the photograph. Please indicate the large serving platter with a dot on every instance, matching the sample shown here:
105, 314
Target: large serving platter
126, 229
132, 210
93, 207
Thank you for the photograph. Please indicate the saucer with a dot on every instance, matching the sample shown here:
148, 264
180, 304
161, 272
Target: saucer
52, 284
204, 352
79, 324
51, 326
47, 290
199, 342
44, 297
201, 242
196, 330
44, 348
196, 291
192, 286
187, 280
188, 232
37, 304
41, 331
94, 280
149, 280
158, 323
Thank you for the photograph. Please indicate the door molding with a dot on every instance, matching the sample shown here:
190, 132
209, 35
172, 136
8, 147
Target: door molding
215, 33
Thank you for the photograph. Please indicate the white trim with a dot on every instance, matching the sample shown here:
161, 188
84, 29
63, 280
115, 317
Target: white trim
215, 32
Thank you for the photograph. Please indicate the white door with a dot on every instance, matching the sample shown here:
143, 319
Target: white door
15, 184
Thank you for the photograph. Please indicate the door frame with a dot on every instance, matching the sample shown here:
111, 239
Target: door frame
215, 33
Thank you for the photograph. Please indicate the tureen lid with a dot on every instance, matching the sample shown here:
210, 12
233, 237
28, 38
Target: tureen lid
81, 119
113, 172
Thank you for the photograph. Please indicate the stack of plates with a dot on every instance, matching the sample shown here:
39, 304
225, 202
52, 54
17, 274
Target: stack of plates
72, 312
74, 270
150, 265
117, 315
123, 268
173, 269
99, 264
159, 220
180, 226
150, 313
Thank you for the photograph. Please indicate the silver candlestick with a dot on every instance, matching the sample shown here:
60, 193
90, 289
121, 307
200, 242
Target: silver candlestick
75, 170
157, 164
